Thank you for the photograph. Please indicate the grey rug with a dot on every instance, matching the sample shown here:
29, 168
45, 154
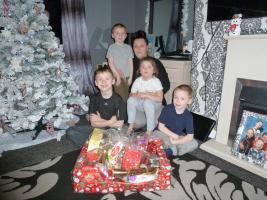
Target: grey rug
192, 178
22, 140
16, 159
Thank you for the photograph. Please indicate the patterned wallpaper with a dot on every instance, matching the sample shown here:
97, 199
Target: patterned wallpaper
208, 60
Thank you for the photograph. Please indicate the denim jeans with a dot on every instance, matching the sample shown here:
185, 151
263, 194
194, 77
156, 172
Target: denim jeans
79, 134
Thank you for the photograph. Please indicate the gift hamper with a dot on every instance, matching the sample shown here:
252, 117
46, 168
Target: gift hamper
112, 161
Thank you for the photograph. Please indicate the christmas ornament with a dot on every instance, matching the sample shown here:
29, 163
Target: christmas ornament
50, 127
23, 91
50, 52
76, 108
5, 7
24, 28
37, 8
58, 72
235, 28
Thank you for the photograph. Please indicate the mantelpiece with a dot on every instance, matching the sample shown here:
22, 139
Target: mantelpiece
246, 58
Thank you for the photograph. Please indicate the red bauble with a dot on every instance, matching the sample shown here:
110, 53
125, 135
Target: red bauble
50, 127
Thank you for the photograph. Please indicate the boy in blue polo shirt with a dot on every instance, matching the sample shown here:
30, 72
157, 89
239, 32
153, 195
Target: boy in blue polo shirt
175, 126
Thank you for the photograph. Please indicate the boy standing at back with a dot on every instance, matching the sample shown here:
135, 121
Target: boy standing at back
106, 108
120, 59
176, 123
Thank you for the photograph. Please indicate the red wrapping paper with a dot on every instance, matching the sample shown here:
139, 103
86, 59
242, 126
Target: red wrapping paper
87, 178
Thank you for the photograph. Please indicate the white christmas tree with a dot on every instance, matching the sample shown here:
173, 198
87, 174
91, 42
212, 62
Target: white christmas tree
35, 83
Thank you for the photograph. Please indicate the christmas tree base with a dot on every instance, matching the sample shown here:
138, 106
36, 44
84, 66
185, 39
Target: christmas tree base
11, 142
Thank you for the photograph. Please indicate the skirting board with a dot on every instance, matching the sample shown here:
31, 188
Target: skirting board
224, 152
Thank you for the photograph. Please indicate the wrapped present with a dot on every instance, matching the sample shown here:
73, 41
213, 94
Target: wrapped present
95, 139
139, 169
114, 155
131, 159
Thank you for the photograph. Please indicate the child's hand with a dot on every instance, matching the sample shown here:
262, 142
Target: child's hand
117, 124
174, 141
174, 137
136, 95
142, 95
94, 117
112, 120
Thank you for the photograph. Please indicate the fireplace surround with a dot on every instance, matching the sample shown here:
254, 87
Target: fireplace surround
250, 95
246, 59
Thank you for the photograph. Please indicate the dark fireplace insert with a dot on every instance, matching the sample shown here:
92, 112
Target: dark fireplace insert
250, 95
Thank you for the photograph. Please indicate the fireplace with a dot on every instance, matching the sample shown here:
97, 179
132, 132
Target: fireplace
250, 95
246, 65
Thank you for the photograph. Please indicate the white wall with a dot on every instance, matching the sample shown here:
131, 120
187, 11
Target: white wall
102, 14
98, 25
161, 19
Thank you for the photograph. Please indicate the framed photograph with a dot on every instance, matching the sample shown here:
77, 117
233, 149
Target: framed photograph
250, 142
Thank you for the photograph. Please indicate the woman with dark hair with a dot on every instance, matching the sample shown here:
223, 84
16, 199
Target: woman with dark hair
140, 47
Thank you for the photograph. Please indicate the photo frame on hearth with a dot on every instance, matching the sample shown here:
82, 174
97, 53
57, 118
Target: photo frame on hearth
250, 143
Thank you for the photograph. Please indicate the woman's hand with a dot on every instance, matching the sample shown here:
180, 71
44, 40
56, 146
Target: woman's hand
118, 80
129, 81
